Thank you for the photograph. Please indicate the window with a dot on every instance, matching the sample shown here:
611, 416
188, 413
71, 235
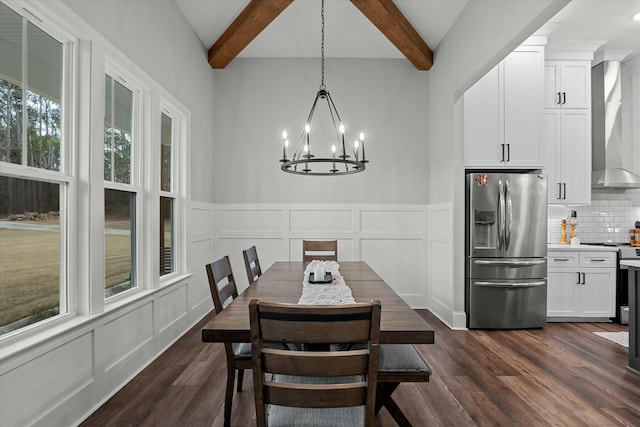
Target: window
120, 192
33, 185
52, 184
30, 256
167, 258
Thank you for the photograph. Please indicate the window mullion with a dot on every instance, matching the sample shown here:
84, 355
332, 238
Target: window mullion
25, 99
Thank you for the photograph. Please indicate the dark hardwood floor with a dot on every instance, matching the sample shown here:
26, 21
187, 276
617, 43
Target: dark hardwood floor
562, 375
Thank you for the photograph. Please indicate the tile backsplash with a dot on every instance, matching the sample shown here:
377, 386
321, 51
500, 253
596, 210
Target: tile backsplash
601, 221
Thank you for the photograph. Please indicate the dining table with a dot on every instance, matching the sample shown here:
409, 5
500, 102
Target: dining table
282, 282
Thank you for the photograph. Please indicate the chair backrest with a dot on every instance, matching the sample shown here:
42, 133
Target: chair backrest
252, 264
289, 378
322, 250
221, 289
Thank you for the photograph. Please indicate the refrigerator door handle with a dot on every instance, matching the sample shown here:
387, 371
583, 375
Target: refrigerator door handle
500, 214
511, 285
508, 215
504, 262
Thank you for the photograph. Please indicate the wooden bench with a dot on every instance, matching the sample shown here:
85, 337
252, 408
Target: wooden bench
398, 363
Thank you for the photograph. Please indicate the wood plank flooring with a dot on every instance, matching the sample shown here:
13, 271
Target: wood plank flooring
562, 375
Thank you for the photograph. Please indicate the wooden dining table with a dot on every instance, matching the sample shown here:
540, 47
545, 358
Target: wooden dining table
282, 283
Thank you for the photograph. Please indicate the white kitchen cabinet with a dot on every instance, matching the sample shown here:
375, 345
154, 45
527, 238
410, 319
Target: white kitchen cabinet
567, 84
567, 134
581, 285
504, 113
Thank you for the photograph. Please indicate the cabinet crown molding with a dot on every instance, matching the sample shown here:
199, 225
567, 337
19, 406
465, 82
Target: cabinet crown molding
572, 49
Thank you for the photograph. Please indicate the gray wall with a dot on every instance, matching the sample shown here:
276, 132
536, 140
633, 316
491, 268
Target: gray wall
254, 99
155, 35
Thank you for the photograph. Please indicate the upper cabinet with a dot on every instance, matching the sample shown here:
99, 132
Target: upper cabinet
504, 113
568, 150
567, 124
567, 84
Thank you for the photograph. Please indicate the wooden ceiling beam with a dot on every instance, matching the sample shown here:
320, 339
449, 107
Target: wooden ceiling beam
252, 20
386, 16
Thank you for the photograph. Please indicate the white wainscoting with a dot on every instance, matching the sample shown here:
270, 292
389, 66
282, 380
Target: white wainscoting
441, 301
393, 239
62, 376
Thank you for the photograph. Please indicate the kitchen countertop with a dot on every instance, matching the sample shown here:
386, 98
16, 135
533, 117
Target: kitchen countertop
585, 248
630, 263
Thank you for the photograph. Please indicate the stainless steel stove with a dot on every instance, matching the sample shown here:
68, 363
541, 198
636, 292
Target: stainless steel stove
629, 252
625, 252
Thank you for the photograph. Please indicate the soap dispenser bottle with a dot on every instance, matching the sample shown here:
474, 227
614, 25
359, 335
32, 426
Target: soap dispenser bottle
574, 223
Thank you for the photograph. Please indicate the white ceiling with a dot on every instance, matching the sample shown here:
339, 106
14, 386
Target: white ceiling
296, 32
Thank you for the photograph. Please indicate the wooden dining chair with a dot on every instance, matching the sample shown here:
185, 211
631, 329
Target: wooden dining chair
252, 264
333, 388
322, 250
223, 287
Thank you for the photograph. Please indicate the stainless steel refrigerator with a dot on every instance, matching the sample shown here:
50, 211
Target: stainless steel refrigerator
506, 259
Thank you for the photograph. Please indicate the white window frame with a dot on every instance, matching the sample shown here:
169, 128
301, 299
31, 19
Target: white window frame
119, 74
65, 178
179, 128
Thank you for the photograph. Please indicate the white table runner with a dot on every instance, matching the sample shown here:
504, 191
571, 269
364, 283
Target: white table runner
336, 292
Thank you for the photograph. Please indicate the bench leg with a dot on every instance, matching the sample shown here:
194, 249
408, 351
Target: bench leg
383, 398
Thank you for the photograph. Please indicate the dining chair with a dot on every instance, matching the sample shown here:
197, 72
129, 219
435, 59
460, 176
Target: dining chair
333, 388
223, 287
252, 264
322, 250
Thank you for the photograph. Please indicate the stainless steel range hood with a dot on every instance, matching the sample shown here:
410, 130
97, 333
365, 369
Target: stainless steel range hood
606, 129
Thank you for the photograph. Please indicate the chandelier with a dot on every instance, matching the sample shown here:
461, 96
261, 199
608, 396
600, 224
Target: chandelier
302, 161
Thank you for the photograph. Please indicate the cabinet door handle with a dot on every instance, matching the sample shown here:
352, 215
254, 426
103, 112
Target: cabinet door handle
598, 260
578, 282
508, 152
561, 259
502, 159
559, 191
584, 275
564, 97
559, 98
564, 190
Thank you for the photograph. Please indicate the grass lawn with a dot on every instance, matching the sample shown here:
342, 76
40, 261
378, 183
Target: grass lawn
30, 269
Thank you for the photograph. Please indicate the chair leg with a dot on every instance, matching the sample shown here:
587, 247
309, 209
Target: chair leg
240, 378
228, 397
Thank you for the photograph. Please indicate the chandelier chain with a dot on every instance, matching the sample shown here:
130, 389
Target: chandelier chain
322, 86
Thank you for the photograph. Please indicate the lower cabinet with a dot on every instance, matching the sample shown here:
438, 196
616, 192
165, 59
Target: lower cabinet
581, 284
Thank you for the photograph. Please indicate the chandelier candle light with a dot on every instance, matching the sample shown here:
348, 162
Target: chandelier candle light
302, 161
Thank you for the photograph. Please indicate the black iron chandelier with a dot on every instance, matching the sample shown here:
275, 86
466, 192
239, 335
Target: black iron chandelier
302, 161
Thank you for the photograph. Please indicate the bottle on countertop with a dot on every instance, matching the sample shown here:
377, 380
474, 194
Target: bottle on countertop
563, 234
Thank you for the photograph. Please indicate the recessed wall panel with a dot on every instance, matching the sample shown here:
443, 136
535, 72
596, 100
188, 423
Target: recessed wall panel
200, 255
321, 221
441, 222
250, 220
391, 221
440, 272
200, 221
399, 263
55, 375
127, 333
171, 307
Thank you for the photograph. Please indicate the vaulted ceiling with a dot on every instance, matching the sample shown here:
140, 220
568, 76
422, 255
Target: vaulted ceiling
409, 29
258, 14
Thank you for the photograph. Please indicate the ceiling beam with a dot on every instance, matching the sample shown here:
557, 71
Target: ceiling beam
252, 20
386, 16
